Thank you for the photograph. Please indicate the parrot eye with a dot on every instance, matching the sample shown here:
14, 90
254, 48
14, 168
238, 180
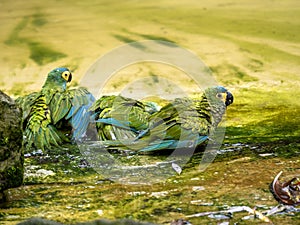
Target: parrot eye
219, 95
67, 76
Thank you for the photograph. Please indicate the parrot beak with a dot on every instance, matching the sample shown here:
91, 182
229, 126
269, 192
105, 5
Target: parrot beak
229, 98
69, 78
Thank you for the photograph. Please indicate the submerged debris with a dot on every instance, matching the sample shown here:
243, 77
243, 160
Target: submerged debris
227, 214
180, 222
287, 193
280, 209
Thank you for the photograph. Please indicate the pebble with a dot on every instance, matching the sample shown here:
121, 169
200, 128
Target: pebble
218, 216
198, 188
99, 212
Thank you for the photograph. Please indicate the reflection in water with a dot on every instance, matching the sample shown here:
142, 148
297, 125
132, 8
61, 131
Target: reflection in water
131, 168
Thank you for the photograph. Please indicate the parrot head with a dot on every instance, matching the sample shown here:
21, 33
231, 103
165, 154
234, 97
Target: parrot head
58, 78
219, 98
219, 94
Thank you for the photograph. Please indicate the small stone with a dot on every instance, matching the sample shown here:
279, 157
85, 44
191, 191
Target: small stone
99, 212
45, 173
266, 154
218, 216
177, 168
159, 194
198, 188
224, 223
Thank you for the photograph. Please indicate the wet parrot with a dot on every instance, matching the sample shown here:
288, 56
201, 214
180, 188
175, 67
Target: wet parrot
126, 124
56, 114
119, 117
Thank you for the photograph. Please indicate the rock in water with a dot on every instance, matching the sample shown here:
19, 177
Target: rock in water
11, 151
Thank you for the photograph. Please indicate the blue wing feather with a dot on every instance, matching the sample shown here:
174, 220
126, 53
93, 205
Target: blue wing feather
79, 114
173, 144
114, 122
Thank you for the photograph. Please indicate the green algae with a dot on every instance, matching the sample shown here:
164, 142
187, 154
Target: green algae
40, 53
260, 115
75, 193
84, 195
232, 74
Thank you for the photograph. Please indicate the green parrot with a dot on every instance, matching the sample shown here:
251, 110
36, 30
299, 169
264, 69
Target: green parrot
118, 117
55, 115
186, 121
182, 122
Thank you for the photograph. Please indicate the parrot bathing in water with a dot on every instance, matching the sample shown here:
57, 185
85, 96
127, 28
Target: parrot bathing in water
124, 123
118, 117
56, 114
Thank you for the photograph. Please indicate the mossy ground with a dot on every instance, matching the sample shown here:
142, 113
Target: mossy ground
76, 193
252, 47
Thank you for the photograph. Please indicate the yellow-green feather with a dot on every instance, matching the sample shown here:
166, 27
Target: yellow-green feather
39, 130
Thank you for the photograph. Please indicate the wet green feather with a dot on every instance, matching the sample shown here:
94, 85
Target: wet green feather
48, 114
179, 123
128, 112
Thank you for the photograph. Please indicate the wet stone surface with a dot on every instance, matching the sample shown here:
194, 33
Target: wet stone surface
11, 155
62, 185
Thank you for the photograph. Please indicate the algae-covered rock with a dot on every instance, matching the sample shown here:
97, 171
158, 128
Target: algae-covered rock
11, 152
